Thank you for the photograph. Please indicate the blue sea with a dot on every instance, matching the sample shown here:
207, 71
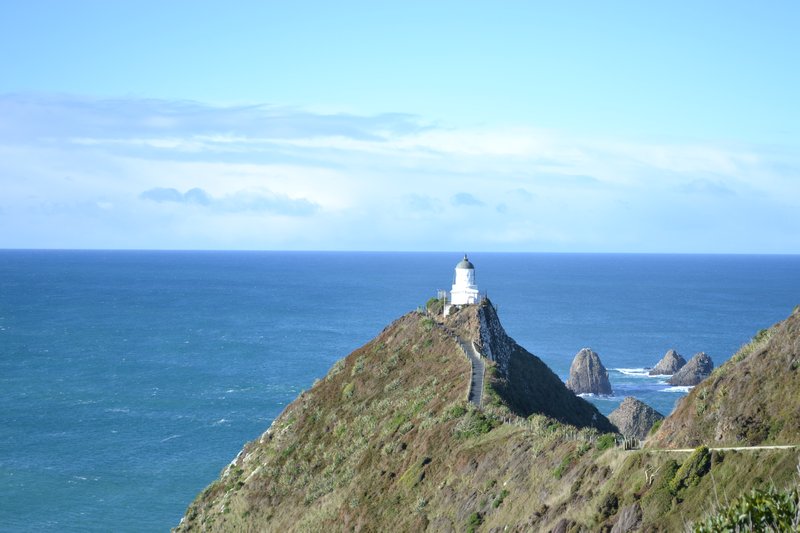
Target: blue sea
130, 379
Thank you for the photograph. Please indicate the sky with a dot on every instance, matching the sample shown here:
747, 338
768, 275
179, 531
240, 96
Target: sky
512, 126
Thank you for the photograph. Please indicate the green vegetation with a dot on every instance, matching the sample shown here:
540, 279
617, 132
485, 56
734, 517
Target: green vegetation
759, 510
474, 424
387, 441
690, 472
751, 399
474, 520
348, 390
606, 441
435, 306
500, 497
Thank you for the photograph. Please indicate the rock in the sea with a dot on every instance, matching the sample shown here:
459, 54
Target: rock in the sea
587, 374
669, 364
634, 418
696, 370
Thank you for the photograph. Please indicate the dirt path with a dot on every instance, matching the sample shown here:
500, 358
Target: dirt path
726, 448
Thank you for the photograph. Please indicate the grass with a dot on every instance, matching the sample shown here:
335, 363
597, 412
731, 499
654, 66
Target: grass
388, 441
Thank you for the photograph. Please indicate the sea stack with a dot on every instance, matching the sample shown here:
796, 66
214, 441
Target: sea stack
696, 370
669, 364
634, 418
588, 375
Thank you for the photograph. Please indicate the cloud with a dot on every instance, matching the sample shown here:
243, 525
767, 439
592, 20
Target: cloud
706, 187
169, 124
421, 203
241, 201
465, 198
212, 176
161, 194
522, 194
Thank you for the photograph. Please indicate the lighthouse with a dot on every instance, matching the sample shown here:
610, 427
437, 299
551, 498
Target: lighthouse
464, 290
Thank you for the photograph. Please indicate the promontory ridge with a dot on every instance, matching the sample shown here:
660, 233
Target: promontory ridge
395, 438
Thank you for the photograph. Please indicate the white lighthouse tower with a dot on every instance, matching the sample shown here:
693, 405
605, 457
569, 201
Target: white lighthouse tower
464, 291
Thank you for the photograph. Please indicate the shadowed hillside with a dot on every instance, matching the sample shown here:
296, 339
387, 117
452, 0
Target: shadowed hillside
517, 379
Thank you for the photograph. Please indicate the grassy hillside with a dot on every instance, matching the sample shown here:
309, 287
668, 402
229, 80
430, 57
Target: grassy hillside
754, 398
387, 441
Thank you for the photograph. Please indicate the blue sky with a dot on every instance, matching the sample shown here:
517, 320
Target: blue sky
502, 126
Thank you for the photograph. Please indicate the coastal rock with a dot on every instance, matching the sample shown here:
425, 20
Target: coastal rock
669, 364
634, 418
587, 374
696, 370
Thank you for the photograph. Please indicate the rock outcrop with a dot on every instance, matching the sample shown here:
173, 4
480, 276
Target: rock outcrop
669, 364
634, 418
522, 381
696, 370
588, 375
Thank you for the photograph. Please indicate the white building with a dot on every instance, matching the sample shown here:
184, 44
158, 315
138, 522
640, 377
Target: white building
464, 290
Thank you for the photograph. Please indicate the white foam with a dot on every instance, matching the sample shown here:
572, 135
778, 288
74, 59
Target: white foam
678, 388
170, 438
636, 372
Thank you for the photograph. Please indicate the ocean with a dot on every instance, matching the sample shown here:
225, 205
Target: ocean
130, 379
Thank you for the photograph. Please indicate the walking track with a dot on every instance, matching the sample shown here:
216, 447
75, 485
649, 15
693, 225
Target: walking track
476, 385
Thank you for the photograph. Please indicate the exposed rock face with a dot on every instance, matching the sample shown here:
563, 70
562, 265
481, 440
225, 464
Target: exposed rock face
587, 374
669, 364
496, 345
696, 370
634, 418
522, 380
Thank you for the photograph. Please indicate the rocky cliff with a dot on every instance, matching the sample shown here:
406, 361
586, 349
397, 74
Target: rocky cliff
587, 375
696, 370
387, 441
634, 418
669, 364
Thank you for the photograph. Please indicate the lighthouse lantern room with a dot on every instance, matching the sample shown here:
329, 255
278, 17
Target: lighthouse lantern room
464, 291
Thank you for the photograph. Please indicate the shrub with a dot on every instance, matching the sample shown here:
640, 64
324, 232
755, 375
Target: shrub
456, 411
474, 424
474, 520
606, 441
690, 472
500, 497
761, 510
348, 391
566, 462
435, 306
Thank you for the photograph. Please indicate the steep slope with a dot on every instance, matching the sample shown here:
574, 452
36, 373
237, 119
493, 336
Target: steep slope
517, 379
388, 442
754, 398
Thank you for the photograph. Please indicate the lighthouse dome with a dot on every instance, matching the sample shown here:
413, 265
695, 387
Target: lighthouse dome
465, 264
